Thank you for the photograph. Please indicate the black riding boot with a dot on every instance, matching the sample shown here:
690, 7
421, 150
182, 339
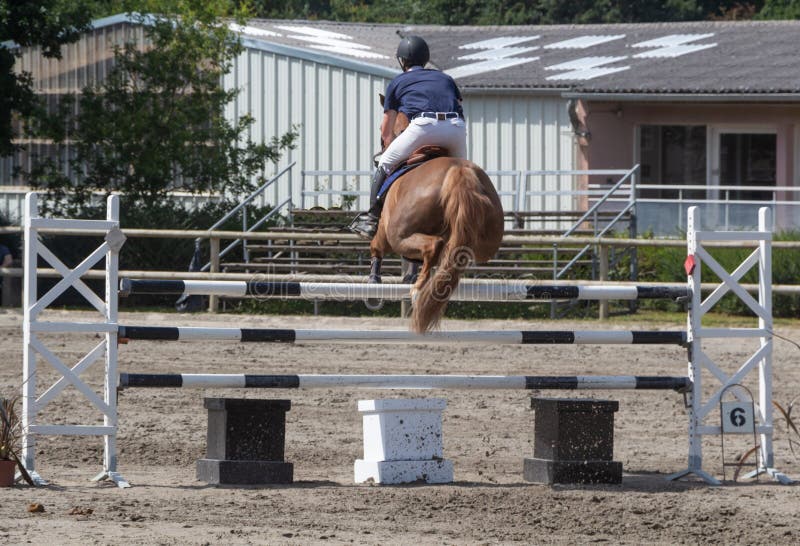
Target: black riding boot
366, 224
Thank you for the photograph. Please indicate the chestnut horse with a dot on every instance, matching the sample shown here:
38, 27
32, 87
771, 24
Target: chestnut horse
445, 214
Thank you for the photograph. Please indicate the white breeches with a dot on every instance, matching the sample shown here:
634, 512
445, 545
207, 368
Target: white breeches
449, 133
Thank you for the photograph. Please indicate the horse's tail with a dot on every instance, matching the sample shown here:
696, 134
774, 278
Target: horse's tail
466, 210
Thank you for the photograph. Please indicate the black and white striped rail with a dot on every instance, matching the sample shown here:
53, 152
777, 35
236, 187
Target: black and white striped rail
311, 381
359, 291
510, 337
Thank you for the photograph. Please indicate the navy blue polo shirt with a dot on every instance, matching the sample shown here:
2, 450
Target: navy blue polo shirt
422, 90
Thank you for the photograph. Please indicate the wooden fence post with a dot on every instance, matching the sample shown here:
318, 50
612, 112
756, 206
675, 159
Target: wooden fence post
603, 257
213, 301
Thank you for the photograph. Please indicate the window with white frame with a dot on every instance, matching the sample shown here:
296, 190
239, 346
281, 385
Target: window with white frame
749, 160
673, 155
717, 157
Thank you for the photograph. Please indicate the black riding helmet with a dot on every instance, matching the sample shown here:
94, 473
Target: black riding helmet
413, 51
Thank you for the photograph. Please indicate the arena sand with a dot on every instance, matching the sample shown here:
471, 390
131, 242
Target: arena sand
486, 434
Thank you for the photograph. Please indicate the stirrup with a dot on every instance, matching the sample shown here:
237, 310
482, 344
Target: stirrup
365, 225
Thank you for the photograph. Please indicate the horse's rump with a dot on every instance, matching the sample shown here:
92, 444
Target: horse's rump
472, 227
445, 213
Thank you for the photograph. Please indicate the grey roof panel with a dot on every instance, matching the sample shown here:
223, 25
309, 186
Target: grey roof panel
659, 58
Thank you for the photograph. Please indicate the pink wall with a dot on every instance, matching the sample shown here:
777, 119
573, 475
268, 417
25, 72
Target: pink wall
612, 127
611, 124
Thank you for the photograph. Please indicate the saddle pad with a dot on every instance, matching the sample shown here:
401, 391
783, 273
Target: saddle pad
394, 176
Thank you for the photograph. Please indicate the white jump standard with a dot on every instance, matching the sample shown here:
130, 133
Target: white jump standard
357, 291
483, 382
104, 326
703, 416
500, 337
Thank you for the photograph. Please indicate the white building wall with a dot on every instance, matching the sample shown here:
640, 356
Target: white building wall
337, 113
82, 63
334, 105
522, 132
335, 110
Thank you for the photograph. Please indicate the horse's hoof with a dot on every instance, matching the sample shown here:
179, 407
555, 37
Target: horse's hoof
373, 304
410, 279
374, 279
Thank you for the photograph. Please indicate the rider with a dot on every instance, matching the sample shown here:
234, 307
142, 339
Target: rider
432, 102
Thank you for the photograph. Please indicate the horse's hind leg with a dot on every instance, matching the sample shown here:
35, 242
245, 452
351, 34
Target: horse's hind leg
410, 270
421, 247
375, 270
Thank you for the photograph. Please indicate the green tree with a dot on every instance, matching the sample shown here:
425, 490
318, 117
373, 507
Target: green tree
157, 122
632, 11
780, 9
292, 9
45, 23
507, 12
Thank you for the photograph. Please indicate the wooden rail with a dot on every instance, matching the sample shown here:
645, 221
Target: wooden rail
344, 236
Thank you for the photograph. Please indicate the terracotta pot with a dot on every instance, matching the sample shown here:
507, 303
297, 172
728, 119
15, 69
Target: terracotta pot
7, 469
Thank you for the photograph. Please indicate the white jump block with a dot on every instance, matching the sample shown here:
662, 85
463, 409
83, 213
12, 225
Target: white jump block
403, 442
395, 472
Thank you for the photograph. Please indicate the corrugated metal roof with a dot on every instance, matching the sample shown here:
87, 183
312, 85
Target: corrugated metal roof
715, 57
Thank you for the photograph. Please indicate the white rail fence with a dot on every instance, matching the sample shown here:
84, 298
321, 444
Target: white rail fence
660, 208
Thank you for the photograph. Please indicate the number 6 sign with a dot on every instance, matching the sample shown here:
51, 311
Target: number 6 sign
737, 418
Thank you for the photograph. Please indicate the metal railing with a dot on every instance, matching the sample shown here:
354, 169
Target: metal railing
559, 191
514, 187
330, 192
593, 213
724, 207
519, 197
619, 201
243, 208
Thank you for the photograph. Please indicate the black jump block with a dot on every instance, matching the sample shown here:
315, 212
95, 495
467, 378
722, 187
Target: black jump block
581, 472
246, 440
573, 442
220, 472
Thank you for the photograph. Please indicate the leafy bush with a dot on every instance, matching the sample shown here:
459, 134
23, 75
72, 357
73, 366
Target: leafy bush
151, 254
156, 122
658, 264
12, 241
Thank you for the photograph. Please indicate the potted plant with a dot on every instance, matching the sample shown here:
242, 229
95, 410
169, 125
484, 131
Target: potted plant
10, 433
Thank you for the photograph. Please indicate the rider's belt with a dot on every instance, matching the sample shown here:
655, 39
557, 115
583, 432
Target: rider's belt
441, 116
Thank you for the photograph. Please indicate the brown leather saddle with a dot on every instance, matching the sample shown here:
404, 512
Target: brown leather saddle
424, 153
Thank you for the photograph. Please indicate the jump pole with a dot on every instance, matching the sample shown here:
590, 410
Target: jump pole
473, 382
360, 291
498, 337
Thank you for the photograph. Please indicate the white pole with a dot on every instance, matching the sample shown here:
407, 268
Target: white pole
29, 355
693, 325
695, 320
510, 337
110, 388
344, 291
765, 324
313, 381
365, 381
